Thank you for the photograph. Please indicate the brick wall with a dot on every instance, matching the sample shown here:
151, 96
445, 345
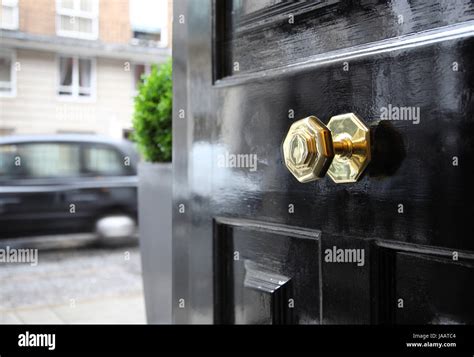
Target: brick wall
114, 21
38, 16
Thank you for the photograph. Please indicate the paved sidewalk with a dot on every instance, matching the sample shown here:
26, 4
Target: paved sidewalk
77, 286
108, 310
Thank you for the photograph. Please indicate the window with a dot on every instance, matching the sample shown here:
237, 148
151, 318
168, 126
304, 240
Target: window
127, 134
151, 38
39, 160
103, 161
151, 31
4, 131
139, 71
76, 77
7, 73
9, 15
78, 18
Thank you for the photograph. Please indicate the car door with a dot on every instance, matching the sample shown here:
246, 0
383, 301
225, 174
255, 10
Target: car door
251, 243
108, 183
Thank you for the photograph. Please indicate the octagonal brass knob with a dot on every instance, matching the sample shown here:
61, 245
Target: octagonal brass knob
342, 148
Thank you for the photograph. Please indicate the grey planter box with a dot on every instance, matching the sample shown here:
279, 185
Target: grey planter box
154, 215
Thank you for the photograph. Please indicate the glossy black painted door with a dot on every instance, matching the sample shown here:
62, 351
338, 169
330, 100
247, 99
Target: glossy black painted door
253, 245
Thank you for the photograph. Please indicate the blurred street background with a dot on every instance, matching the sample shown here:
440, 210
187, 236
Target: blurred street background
92, 284
70, 75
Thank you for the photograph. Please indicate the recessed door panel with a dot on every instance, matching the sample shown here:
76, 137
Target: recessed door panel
435, 290
266, 274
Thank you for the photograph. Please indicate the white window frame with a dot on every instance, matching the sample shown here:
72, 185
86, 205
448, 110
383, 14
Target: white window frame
12, 55
75, 97
75, 13
14, 5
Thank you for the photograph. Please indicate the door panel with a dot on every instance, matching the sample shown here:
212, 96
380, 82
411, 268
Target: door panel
282, 33
266, 273
413, 194
439, 293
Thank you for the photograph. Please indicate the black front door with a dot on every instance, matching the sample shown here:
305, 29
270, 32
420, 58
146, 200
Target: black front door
251, 243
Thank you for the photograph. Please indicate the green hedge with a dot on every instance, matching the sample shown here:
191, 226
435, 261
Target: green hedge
152, 117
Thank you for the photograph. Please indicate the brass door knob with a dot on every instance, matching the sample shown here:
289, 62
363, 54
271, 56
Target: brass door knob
342, 148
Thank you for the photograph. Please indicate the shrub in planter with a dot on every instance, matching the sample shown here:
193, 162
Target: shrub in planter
152, 117
152, 124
